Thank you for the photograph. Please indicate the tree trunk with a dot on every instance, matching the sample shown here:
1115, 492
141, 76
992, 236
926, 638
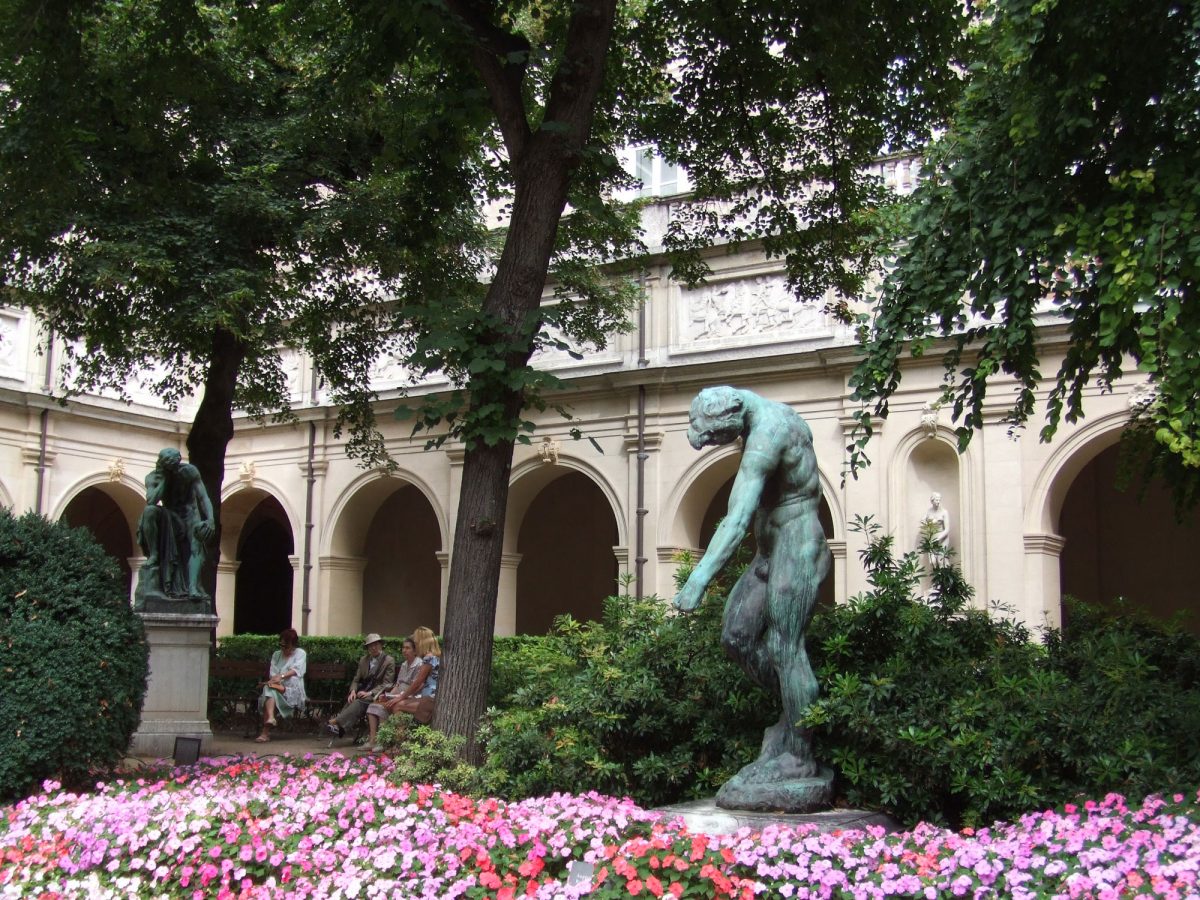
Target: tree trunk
542, 163
471, 599
212, 430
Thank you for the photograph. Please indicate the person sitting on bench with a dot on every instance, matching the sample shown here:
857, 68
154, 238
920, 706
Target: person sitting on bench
283, 692
419, 698
406, 673
376, 670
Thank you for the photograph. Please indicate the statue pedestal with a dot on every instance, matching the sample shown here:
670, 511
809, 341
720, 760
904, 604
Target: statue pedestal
793, 795
176, 703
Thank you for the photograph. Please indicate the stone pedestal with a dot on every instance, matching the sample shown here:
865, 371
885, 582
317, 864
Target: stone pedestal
176, 702
793, 795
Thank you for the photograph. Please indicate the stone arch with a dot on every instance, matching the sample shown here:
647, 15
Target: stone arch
683, 513
110, 509
361, 499
564, 533
382, 568
531, 476
1064, 464
1115, 543
256, 574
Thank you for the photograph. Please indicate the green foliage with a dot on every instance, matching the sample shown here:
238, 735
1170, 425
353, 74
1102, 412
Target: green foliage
176, 173
641, 703
423, 755
74, 656
1067, 186
932, 709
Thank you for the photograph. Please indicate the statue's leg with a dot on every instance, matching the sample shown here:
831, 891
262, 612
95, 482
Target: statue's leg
792, 588
195, 566
148, 535
743, 626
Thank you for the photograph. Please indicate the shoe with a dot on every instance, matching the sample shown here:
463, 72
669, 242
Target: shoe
377, 748
334, 728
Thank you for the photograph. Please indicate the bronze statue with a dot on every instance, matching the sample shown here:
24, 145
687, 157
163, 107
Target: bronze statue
778, 490
175, 531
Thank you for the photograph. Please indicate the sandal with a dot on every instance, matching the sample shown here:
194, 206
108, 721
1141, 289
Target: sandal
261, 739
271, 721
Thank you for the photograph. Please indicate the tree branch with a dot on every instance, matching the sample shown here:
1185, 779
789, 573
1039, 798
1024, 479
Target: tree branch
580, 75
500, 57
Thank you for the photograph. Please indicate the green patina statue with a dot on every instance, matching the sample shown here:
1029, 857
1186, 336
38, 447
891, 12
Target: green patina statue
777, 488
175, 532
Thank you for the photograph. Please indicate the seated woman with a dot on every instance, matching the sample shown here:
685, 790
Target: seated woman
406, 672
418, 698
283, 692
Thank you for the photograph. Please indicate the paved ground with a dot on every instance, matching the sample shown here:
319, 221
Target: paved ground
233, 743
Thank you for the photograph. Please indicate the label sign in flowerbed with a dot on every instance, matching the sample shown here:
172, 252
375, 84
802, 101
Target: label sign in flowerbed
340, 828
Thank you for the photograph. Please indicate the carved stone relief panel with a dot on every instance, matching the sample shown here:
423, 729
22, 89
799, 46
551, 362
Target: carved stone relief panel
13, 335
756, 309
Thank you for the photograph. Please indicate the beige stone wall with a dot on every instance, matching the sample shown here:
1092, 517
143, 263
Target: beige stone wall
379, 550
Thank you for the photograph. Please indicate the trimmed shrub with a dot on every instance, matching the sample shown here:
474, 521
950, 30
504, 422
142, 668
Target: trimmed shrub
642, 703
934, 710
74, 656
423, 755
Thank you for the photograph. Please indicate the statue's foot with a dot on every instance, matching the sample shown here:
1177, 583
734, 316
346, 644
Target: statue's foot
784, 767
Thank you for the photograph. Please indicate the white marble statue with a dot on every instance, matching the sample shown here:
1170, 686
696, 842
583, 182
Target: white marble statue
936, 523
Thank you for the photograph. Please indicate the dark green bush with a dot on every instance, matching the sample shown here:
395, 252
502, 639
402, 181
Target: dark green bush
642, 703
935, 710
74, 656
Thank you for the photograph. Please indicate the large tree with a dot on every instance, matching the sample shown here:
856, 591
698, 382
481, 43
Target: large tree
775, 109
191, 186
1067, 190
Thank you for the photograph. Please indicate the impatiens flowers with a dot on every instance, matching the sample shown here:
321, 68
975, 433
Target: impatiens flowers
335, 827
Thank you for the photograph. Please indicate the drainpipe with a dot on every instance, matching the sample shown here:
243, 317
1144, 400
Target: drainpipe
640, 548
306, 563
43, 438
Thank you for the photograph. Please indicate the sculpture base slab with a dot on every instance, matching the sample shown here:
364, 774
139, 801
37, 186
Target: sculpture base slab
796, 795
705, 817
176, 606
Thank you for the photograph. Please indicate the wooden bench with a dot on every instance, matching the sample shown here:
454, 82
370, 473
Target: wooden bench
235, 685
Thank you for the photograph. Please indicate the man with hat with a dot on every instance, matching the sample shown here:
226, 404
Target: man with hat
375, 672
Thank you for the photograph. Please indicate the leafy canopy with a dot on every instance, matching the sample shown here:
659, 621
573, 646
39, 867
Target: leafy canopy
174, 170
1066, 190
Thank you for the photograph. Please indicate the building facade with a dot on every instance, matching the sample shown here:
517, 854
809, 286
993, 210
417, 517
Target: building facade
311, 540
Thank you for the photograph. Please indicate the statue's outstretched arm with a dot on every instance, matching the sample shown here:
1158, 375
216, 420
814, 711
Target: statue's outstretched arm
743, 501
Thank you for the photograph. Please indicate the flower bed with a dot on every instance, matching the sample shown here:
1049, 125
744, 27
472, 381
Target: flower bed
335, 827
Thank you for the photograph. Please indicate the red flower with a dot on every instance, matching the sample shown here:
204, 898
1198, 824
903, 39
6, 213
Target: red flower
634, 886
654, 886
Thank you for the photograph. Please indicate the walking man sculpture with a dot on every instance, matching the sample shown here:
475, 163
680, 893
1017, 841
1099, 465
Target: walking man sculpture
778, 490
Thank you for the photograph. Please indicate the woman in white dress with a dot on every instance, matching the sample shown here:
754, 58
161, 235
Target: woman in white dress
283, 692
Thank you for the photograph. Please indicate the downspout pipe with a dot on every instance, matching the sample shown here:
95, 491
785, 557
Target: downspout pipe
44, 430
640, 545
306, 563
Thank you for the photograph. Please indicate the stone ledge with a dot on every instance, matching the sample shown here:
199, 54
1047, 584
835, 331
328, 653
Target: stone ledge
705, 817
